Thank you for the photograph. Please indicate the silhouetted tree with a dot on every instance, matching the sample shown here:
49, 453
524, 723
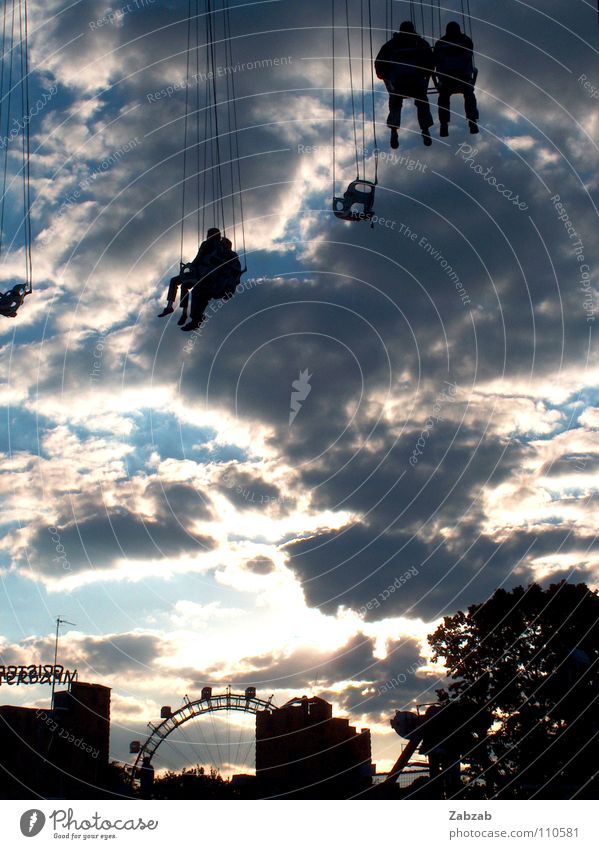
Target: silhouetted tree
193, 783
118, 781
525, 666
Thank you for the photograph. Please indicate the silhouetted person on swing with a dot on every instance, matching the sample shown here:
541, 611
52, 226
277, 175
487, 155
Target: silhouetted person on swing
191, 273
455, 74
405, 64
220, 282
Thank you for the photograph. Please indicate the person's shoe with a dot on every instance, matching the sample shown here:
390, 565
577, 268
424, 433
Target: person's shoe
193, 325
473, 127
394, 141
444, 130
426, 138
165, 311
182, 320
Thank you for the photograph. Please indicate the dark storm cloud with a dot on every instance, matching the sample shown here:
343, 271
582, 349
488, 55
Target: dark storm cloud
260, 566
395, 326
132, 653
247, 491
381, 685
180, 502
306, 667
357, 569
90, 655
571, 463
98, 541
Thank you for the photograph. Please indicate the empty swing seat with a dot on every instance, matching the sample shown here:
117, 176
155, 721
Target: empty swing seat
11, 301
359, 193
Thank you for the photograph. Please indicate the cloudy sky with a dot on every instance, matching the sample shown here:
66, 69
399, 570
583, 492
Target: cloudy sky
154, 490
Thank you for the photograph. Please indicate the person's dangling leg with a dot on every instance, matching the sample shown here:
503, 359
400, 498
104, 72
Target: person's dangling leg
395, 103
186, 287
471, 107
394, 118
425, 118
444, 113
171, 296
199, 301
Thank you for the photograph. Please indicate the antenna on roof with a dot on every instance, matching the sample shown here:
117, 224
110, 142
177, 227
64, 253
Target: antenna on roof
59, 622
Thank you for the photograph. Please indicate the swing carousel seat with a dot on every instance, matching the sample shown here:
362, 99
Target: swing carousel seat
11, 301
434, 89
188, 273
359, 193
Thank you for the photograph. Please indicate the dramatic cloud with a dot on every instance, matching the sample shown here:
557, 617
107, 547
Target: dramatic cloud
201, 518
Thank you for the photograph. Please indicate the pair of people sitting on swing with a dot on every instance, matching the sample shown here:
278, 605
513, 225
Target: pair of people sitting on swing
214, 273
406, 63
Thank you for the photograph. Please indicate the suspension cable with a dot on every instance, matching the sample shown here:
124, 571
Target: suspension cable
351, 85
197, 140
9, 97
213, 65
376, 147
186, 121
24, 112
15, 37
235, 129
363, 89
205, 163
27, 153
334, 122
230, 154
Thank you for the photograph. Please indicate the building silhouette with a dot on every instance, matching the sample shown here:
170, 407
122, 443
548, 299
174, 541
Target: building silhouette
60, 752
305, 752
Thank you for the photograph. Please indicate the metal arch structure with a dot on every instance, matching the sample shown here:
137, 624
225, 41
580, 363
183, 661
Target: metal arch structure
192, 709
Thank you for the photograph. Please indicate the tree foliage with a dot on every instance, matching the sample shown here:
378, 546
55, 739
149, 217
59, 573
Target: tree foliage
193, 783
525, 666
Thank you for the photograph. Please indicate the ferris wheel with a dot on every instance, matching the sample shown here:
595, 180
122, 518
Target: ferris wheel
215, 732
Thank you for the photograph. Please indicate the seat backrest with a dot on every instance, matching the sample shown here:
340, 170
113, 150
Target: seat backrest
355, 195
13, 298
